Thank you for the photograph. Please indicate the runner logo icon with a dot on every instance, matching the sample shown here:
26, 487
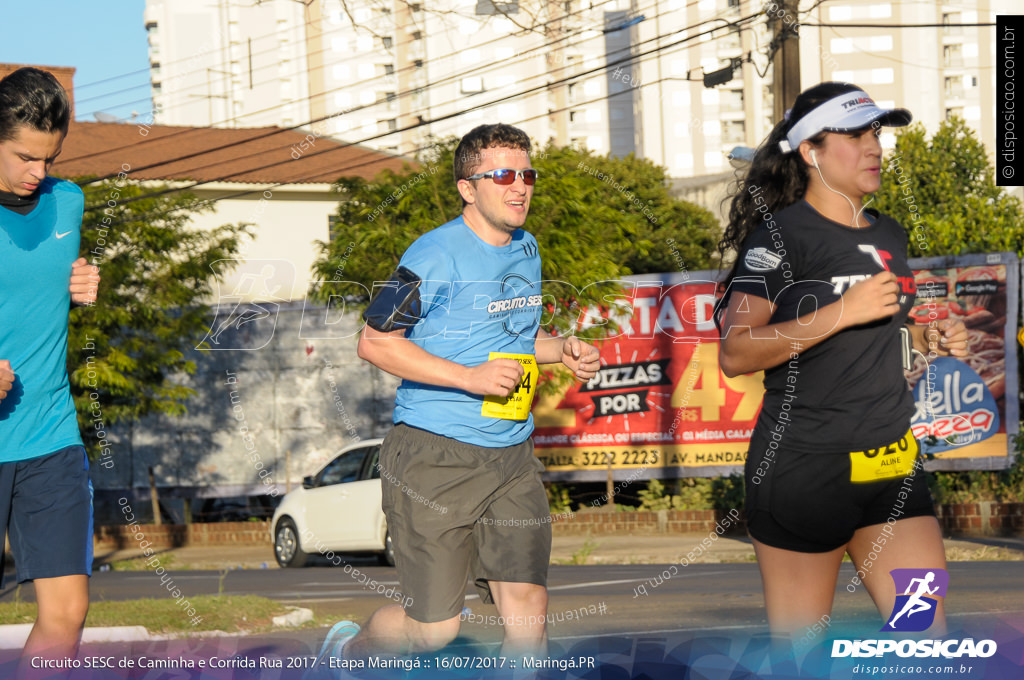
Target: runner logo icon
914, 610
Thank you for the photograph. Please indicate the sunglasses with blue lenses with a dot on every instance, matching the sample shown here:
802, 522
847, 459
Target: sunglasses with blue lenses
506, 176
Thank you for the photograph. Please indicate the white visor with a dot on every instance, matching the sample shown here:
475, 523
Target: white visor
849, 111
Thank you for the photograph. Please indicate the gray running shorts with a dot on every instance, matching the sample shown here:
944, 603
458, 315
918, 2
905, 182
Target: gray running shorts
457, 511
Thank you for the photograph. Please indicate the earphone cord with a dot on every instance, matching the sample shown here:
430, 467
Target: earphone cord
856, 213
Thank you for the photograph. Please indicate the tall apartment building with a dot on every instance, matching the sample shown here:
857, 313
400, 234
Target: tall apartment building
931, 65
614, 76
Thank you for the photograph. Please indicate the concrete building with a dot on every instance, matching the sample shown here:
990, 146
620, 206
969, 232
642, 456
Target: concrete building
227, 65
931, 65
618, 76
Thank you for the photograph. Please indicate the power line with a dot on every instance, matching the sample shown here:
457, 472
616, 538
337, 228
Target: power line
978, 25
377, 136
483, 67
887, 57
446, 80
619, 62
227, 48
195, 56
372, 79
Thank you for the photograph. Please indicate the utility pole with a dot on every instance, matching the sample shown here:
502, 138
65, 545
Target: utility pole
786, 62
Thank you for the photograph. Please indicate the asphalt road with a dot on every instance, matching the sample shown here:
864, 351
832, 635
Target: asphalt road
704, 622
584, 600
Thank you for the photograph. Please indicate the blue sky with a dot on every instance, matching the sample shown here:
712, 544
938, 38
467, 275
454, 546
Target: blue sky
104, 39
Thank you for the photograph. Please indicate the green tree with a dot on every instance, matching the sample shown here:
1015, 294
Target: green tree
944, 193
596, 219
126, 351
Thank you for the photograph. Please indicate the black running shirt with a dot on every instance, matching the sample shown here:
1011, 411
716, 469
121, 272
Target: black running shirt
847, 393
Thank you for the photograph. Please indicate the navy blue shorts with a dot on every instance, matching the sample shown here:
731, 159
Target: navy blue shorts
46, 507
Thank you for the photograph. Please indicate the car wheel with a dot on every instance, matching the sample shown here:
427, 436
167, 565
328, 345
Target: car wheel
286, 545
387, 558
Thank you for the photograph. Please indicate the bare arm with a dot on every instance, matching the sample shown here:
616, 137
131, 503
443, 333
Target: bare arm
582, 358
946, 338
548, 348
750, 343
399, 356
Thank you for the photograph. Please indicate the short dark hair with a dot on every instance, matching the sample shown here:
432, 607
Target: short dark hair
33, 97
468, 154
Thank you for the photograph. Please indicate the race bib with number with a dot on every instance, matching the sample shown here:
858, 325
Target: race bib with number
517, 405
885, 462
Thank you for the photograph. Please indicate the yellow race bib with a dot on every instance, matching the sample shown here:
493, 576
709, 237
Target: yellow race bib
517, 405
885, 462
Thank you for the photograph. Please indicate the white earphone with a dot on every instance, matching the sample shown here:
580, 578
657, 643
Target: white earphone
856, 213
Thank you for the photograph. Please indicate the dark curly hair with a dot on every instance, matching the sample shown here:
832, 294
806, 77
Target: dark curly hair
469, 153
34, 98
782, 177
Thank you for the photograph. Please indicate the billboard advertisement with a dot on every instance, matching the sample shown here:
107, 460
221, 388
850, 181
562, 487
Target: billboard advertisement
661, 407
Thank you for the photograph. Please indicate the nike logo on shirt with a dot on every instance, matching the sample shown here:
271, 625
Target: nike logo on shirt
60, 235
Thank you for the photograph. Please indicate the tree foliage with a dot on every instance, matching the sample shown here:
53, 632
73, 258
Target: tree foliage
944, 193
125, 351
596, 219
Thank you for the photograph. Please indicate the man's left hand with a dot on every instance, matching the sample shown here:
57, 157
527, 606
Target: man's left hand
582, 358
85, 281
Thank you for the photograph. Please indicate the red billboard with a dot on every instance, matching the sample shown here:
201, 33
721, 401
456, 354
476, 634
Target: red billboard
661, 407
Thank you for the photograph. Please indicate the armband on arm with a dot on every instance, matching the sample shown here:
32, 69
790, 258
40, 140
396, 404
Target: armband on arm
906, 348
396, 305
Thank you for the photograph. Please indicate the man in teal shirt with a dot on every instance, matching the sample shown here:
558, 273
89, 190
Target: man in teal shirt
45, 494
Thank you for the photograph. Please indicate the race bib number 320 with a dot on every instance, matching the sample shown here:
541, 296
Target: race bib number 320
885, 462
517, 405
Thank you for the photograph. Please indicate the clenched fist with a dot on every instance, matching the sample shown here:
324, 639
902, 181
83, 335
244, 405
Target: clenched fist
947, 338
871, 299
6, 378
85, 281
581, 358
497, 377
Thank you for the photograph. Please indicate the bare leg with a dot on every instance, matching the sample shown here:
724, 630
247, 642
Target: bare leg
524, 607
391, 631
798, 587
915, 543
63, 603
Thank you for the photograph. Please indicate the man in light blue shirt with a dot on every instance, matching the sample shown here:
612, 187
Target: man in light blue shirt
460, 324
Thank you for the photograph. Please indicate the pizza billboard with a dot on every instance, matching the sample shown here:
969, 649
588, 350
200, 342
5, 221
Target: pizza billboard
660, 407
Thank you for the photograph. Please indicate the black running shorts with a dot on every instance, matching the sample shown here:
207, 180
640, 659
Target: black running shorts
807, 502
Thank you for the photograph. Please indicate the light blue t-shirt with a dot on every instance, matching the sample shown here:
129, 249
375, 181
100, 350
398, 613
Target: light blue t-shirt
476, 299
37, 416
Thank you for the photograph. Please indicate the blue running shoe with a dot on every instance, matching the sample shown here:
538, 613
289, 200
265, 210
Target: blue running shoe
333, 647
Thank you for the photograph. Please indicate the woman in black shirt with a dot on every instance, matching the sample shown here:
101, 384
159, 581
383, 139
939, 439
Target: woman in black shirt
817, 299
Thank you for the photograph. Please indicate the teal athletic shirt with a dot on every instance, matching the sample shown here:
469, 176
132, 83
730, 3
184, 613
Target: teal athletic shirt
38, 417
475, 299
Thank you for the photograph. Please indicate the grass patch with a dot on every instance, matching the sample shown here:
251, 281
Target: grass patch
986, 553
241, 613
581, 556
167, 561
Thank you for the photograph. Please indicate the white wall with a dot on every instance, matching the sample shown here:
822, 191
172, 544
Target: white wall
287, 220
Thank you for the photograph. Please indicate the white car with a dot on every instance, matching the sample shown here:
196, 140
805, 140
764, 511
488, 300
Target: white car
337, 509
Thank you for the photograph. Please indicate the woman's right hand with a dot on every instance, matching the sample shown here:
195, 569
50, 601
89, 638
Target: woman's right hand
871, 299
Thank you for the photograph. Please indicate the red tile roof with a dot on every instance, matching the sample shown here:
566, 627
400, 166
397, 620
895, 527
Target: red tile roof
265, 155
